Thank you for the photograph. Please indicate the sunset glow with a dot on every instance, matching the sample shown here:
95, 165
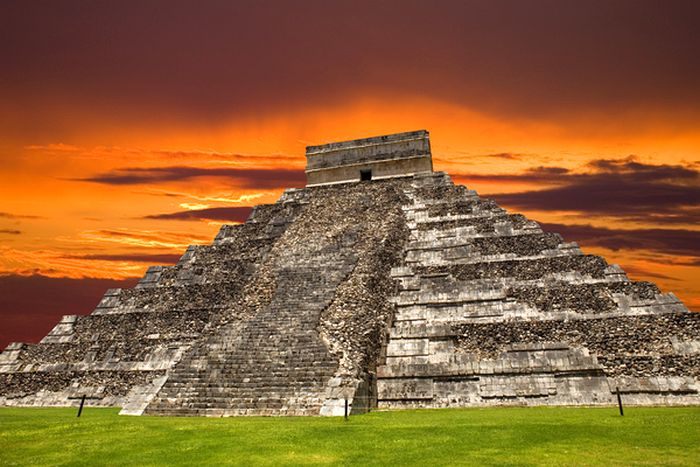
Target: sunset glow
124, 140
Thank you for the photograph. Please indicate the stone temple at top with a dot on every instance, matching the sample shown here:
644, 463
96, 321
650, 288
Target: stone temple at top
381, 283
397, 155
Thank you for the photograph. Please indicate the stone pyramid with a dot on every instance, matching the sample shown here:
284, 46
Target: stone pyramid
382, 283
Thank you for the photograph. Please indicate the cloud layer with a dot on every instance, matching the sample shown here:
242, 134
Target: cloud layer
244, 178
225, 214
622, 188
153, 258
667, 241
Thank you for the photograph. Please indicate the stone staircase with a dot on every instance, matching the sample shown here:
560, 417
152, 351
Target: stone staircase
273, 364
284, 356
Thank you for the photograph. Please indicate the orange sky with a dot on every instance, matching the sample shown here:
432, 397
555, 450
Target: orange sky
121, 137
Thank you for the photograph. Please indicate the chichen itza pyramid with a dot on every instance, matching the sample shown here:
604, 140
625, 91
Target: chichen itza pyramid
381, 282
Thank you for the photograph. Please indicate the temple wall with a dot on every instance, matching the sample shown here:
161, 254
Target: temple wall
380, 169
398, 155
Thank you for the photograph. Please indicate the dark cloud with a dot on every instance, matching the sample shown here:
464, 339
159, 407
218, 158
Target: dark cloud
152, 238
224, 58
691, 263
632, 169
137, 258
7, 215
624, 188
641, 272
225, 156
679, 242
10, 231
245, 178
502, 155
549, 175
31, 305
228, 214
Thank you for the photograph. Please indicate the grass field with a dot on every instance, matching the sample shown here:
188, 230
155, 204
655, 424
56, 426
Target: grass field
496, 436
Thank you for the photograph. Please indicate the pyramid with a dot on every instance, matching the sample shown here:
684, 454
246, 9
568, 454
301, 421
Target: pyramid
381, 283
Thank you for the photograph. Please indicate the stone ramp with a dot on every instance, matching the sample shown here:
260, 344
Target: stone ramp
491, 310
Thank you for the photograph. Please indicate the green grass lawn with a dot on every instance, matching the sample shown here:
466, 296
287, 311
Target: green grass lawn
495, 436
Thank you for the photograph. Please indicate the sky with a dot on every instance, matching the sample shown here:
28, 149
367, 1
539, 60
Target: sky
130, 130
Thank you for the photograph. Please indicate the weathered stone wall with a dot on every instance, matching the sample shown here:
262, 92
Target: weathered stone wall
624, 345
593, 266
65, 387
397, 155
408, 144
379, 170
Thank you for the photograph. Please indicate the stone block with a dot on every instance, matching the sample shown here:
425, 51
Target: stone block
407, 347
405, 388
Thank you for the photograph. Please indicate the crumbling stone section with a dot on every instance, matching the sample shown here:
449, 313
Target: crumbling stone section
651, 366
608, 338
449, 195
104, 388
356, 322
587, 265
190, 298
520, 245
591, 298
483, 224
458, 207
